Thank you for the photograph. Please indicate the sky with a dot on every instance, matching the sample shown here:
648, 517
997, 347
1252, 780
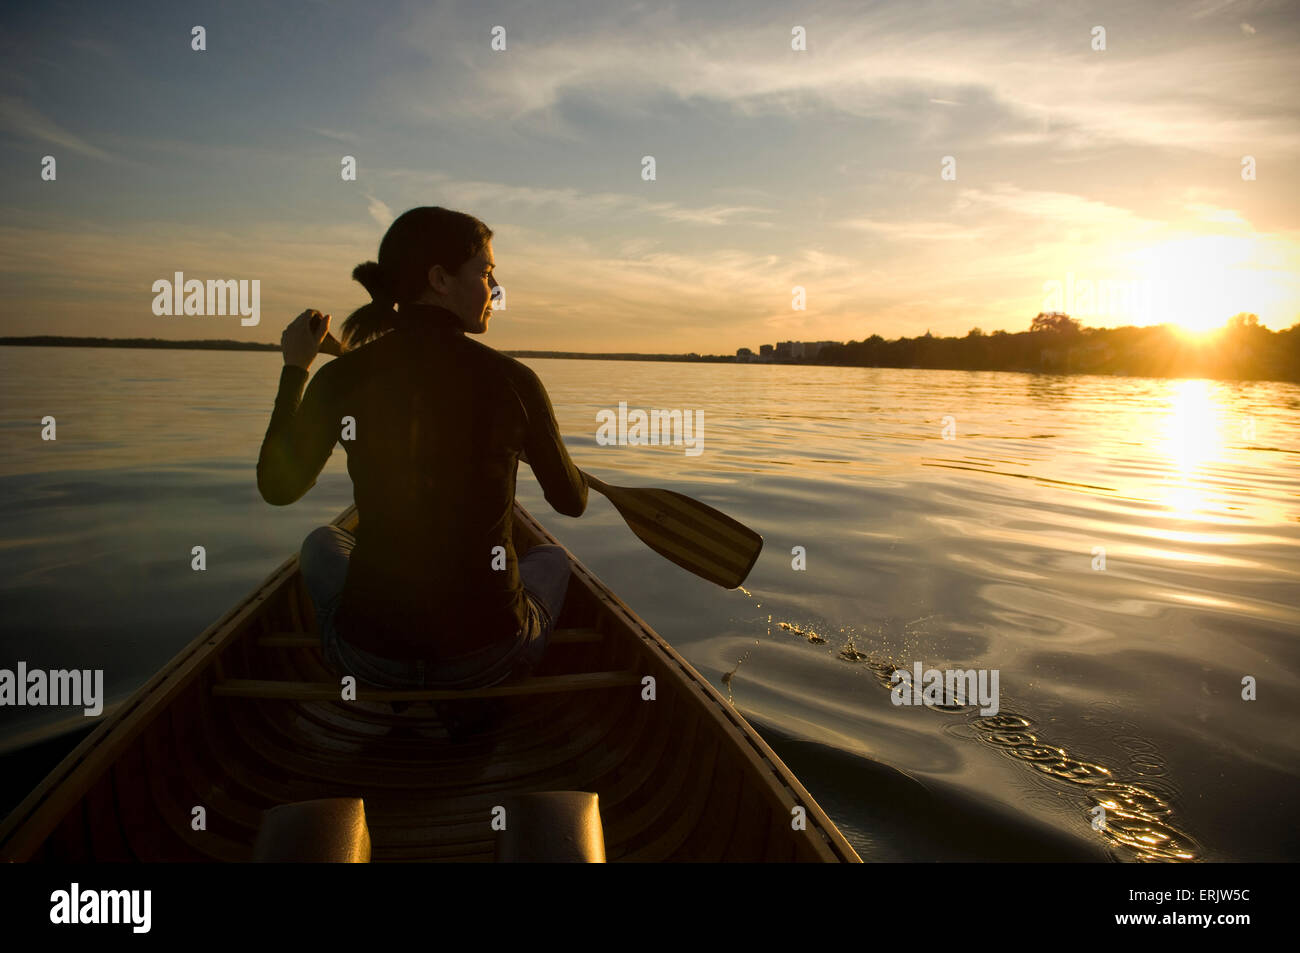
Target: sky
919, 166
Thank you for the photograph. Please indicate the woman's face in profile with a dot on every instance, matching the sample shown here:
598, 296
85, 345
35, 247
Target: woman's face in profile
476, 282
469, 295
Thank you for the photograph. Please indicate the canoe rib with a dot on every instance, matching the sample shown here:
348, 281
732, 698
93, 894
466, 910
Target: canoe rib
234, 749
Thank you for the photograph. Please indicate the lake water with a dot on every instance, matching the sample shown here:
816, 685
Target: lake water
1122, 551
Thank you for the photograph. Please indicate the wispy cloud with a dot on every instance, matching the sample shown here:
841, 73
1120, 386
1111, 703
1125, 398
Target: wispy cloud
380, 212
29, 123
569, 204
1208, 8
97, 45
331, 133
914, 230
1219, 216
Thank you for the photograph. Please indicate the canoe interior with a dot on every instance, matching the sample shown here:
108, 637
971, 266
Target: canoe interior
680, 778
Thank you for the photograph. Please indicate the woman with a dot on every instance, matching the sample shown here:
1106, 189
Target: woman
429, 593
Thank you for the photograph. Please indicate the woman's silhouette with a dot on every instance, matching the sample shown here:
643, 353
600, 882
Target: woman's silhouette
429, 593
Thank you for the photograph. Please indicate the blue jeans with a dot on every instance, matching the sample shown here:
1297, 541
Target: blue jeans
544, 571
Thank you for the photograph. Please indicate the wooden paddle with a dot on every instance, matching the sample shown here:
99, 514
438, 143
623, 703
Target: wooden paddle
692, 534
695, 536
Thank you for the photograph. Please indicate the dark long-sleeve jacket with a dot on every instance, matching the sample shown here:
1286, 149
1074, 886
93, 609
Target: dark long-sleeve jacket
433, 423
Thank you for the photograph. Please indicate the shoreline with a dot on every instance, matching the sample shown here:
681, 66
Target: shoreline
215, 344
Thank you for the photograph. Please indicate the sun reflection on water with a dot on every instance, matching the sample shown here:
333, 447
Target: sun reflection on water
1192, 441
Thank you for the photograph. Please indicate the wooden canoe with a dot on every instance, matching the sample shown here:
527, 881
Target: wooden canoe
248, 717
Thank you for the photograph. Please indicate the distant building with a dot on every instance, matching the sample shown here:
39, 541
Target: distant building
744, 356
794, 350
812, 348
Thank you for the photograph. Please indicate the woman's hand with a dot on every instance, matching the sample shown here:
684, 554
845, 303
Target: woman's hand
299, 343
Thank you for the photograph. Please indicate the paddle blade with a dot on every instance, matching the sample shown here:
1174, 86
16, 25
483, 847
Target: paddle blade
695, 536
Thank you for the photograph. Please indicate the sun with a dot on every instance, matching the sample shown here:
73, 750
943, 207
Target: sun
1196, 283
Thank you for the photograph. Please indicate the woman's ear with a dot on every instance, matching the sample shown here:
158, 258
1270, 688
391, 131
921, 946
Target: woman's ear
437, 279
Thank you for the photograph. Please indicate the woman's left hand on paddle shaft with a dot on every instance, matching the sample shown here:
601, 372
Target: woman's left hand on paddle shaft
299, 343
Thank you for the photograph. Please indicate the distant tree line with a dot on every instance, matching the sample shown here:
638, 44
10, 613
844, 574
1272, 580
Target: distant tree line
1056, 343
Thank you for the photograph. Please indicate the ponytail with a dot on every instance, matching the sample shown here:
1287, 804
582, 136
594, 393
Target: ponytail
373, 319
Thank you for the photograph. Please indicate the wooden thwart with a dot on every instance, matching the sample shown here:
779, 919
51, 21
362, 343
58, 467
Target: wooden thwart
304, 640
330, 692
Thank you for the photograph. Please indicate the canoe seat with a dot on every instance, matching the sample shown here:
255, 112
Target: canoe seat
331, 830
551, 827
329, 691
305, 640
